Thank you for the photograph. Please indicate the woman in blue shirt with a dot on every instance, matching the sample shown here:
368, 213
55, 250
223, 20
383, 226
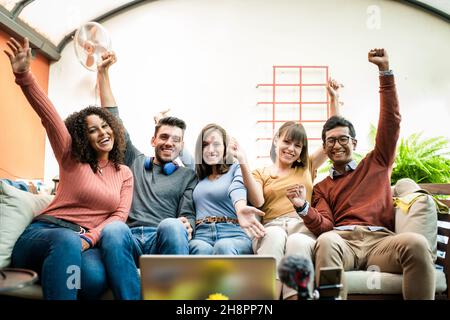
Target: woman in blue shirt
224, 222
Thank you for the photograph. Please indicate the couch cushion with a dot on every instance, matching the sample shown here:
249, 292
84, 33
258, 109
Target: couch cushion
34, 292
415, 212
17, 209
373, 282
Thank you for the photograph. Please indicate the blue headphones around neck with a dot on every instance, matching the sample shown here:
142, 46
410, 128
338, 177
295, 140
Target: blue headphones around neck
168, 168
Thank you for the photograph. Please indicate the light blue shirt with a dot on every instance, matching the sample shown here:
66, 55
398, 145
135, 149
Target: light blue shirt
216, 198
352, 227
351, 166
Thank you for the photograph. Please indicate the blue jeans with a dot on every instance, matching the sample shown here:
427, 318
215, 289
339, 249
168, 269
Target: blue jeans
220, 238
66, 273
122, 246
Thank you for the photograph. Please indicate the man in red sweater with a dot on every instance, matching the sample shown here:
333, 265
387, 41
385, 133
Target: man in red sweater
352, 210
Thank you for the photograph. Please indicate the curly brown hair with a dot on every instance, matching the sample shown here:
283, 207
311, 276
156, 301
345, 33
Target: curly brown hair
81, 148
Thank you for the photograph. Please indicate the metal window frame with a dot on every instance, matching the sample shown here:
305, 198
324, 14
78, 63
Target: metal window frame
18, 29
11, 23
108, 15
276, 104
427, 8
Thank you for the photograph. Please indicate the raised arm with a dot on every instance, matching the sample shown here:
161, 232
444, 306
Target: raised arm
106, 95
255, 193
108, 101
389, 120
319, 156
333, 91
58, 135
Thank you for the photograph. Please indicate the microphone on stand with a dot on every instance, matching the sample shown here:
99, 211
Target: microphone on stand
297, 272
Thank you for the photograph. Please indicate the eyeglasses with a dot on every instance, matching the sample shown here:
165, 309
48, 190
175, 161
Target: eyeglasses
343, 141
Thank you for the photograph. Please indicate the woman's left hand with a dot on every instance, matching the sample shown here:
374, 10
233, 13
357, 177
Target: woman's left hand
248, 221
238, 153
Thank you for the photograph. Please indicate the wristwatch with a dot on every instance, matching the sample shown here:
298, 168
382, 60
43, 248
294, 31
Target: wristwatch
303, 211
386, 73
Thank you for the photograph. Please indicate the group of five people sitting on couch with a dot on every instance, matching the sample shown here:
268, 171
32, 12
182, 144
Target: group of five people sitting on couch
114, 204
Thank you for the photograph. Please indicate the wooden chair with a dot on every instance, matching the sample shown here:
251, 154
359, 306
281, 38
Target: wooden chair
443, 247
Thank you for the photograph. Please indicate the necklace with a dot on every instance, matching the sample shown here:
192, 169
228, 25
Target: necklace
100, 169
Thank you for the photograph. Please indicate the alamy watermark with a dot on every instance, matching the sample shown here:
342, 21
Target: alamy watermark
373, 21
374, 280
74, 279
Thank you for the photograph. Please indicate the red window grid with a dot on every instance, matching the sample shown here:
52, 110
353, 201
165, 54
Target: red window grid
300, 102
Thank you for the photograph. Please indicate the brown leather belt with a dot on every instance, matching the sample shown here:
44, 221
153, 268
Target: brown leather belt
216, 220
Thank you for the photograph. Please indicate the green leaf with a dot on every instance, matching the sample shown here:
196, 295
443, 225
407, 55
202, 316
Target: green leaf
424, 160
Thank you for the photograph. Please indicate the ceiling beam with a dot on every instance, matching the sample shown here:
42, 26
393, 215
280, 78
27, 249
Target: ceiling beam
20, 30
108, 15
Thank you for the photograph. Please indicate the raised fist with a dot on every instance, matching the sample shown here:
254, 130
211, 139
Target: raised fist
333, 88
379, 57
108, 59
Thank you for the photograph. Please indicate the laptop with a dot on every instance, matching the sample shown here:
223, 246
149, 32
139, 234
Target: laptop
201, 277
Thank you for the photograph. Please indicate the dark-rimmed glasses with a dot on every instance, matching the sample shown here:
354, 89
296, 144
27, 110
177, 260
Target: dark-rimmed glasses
343, 141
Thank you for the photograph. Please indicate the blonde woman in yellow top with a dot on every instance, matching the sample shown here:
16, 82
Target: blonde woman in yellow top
273, 189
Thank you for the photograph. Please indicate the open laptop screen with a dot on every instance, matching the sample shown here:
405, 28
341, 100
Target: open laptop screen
176, 277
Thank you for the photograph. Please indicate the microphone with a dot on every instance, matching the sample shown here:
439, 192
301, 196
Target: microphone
297, 272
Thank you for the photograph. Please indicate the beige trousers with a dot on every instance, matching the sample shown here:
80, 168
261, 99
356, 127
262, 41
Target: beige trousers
285, 236
406, 253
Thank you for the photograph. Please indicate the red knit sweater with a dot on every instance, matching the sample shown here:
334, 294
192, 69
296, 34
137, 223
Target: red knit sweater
363, 196
85, 198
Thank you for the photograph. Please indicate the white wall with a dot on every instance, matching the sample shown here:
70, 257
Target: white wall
203, 59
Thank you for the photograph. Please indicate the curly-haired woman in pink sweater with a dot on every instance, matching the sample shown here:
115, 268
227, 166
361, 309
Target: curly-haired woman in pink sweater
63, 244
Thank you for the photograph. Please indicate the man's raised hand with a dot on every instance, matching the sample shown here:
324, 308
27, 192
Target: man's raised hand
108, 59
379, 57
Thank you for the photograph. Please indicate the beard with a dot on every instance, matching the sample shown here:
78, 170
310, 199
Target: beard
162, 160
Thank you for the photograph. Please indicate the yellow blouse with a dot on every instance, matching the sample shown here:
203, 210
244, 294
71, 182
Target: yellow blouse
276, 204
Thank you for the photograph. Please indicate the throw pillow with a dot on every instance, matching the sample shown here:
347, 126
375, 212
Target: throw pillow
17, 209
415, 212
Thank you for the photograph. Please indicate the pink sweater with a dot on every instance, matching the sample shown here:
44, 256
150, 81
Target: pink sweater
362, 197
85, 198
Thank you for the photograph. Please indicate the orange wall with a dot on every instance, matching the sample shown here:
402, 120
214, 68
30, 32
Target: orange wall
22, 137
